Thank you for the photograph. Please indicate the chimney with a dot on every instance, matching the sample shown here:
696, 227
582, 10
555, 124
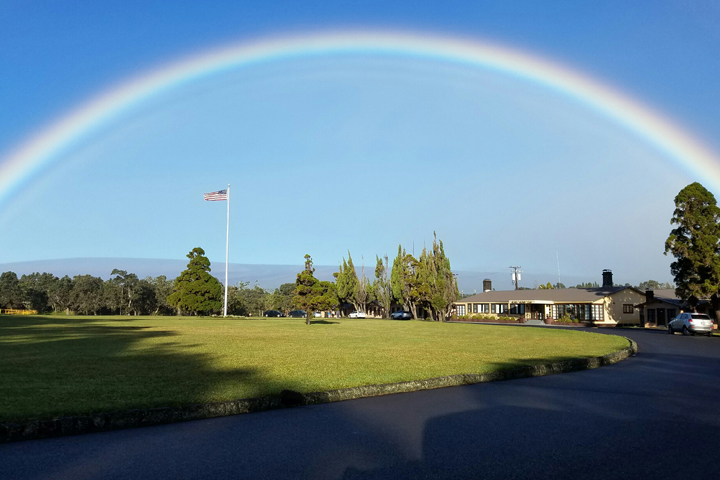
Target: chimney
607, 278
487, 285
649, 296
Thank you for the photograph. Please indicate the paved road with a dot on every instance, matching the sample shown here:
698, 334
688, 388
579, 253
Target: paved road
653, 416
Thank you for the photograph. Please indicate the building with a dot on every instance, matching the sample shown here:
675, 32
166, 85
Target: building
661, 306
607, 305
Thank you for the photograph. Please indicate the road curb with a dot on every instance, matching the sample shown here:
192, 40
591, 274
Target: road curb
100, 422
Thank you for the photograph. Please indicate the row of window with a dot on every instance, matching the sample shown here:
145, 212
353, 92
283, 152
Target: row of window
579, 311
492, 308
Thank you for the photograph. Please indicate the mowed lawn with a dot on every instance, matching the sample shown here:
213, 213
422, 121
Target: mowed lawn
57, 365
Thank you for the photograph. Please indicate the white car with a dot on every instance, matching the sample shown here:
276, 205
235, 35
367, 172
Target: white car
357, 314
691, 323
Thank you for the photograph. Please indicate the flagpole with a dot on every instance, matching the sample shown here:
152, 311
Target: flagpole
227, 242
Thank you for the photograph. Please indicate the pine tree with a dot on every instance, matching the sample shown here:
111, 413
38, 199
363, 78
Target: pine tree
196, 291
311, 294
694, 244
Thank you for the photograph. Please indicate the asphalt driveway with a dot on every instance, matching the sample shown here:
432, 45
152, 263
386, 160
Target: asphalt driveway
652, 416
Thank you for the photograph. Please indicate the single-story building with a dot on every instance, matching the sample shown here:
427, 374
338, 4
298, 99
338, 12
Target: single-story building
607, 305
661, 306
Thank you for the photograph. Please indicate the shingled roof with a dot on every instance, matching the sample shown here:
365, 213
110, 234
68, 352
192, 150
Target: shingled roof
561, 295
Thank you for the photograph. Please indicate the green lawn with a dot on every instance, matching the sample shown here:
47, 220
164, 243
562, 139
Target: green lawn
57, 365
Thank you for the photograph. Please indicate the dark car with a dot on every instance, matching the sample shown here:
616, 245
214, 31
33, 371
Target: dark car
273, 313
297, 314
401, 315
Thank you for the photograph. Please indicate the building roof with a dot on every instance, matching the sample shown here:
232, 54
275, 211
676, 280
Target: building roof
668, 295
665, 294
562, 295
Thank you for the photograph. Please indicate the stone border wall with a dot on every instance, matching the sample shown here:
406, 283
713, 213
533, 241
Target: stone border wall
15, 431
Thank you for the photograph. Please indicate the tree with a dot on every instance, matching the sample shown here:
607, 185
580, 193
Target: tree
144, 299
35, 290
60, 294
311, 294
548, 286
196, 291
403, 281
86, 295
363, 292
162, 288
10, 291
653, 285
127, 283
282, 297
243, 300
348, 284
436, 282
381, 286
694, 244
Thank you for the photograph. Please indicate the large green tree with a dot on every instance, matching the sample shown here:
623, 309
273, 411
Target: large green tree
126, 288
196, 292
310, 293
694, 244
86, 296
60, 294
10, 291
35, 290
443, 290
348, 284
404, 282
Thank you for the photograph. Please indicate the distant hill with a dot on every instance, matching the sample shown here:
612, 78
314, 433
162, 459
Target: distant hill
267, 276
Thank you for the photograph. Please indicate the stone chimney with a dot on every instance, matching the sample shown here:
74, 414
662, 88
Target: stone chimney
487, 285
649, 296
607, 278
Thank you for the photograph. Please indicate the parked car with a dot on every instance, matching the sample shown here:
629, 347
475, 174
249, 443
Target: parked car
401, 315
297, 314
691, 323
318, 314
357, 314
273, 313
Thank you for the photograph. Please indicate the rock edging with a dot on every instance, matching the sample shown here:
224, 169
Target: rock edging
75, 425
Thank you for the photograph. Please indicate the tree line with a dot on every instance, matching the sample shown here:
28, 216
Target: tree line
424, 286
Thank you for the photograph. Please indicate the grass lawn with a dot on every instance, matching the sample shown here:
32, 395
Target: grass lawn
58, 365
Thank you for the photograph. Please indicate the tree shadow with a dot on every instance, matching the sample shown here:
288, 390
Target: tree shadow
323, 322
53, 367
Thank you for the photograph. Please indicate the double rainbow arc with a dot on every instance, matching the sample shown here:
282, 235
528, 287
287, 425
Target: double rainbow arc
30, 158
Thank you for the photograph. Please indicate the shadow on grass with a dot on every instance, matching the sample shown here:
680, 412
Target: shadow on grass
323, 322
50, 366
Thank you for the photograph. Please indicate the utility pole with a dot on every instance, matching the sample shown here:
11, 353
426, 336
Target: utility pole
516, 275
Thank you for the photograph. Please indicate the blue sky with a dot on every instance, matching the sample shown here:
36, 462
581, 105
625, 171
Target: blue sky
358, 153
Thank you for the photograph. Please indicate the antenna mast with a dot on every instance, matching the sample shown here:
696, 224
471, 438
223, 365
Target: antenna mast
516, 275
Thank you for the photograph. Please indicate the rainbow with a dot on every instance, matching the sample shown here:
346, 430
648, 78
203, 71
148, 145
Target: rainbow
37, 153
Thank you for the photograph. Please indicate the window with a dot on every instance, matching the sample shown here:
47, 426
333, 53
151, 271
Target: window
517, 309
628, 308
578, 311
461, 310
484, 308
475, 308
671, 313
499, 308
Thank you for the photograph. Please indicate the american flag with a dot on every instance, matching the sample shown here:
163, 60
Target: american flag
218, 196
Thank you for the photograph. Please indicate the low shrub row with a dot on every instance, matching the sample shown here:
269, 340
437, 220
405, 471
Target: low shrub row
480, 317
